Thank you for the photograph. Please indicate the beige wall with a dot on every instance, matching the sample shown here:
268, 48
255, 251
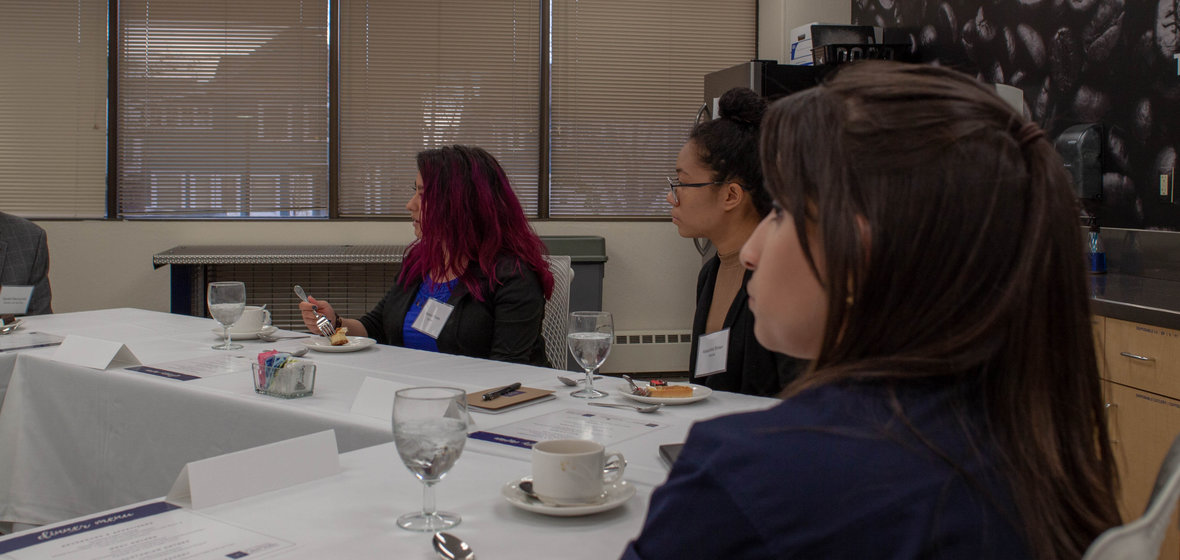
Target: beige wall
649, 280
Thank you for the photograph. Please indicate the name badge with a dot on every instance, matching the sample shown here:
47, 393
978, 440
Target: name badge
14, 300
432, 318
712, 349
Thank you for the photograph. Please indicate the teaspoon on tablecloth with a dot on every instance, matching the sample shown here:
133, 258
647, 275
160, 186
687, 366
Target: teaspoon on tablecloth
450, 547
643, 409
573, 383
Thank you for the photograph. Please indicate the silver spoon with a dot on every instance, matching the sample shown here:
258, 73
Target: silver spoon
273, 336
450, 547
573, 383
643, 409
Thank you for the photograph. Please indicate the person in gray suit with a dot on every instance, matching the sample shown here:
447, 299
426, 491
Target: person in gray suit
24, 260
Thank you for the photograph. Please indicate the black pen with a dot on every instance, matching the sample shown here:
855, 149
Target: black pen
501, 392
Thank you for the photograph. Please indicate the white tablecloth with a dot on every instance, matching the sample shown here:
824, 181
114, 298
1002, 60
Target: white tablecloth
74, 440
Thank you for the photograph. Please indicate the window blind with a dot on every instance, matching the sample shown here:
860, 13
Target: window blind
417, 75
53, 108
627, 81
223, 109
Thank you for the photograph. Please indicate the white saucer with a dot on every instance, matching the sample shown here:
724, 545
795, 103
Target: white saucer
321, 344
699, 392
616, 495
238, 335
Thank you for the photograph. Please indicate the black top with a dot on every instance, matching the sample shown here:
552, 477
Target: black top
749, 368
506, 326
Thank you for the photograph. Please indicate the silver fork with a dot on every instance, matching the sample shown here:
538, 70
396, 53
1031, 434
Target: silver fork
322, 323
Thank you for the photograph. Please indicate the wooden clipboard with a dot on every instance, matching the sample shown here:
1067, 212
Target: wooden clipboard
519, 397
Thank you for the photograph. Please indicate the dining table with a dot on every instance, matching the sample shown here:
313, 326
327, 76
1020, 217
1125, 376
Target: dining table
80, 442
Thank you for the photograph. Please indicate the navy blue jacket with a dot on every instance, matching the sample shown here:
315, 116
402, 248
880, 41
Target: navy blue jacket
833, 473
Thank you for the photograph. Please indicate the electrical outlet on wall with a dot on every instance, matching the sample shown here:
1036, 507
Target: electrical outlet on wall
1168, 185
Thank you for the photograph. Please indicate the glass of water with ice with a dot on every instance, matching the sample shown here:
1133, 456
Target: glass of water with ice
226, 302
590, 336
429, 430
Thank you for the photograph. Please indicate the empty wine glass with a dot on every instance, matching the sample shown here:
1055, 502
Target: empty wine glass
429, 430
589, 338
226, 302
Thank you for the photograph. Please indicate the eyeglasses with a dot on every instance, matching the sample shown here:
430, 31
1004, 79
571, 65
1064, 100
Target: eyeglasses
673, 184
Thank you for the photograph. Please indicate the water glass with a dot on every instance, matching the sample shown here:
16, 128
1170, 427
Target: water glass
429, 430
589, 337
226, 302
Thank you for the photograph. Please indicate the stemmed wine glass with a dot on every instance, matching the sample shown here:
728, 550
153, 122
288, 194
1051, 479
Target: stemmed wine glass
429, 430
226, 302
590, 336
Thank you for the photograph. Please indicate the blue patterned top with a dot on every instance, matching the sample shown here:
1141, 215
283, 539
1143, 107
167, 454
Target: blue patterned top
428, 290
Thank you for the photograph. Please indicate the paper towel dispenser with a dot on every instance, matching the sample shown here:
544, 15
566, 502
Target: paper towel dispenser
1080, 147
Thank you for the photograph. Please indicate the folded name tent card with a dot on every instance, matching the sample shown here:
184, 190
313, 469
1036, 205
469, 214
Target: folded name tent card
375, 398
246, 473
94, 352
14, 300
516, 398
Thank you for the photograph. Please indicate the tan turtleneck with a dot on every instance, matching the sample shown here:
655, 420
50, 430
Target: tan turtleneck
729, 281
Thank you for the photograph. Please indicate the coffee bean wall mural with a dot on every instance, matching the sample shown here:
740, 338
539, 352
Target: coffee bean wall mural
1113, 62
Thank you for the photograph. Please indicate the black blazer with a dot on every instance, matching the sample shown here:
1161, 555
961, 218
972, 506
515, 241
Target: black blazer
506, 326
24, 260
749, 368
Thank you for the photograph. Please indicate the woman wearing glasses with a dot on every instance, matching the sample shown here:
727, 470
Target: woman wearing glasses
717, 194
924, 251
475, 281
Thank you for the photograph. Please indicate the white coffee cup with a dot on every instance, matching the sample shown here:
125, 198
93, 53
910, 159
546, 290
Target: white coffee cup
574, 470
252, 321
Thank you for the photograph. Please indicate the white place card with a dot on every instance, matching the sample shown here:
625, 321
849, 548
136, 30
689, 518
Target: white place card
14, 300
94, 353
233, 476
375, 398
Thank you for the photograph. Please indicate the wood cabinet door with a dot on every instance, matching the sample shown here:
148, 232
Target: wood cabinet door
1143, 356
1142, 427
1098, 324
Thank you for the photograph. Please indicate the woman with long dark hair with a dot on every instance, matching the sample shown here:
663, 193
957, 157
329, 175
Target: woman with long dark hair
717, 194
925, 253
477, 264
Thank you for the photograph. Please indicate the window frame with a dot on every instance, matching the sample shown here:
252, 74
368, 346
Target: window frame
545, 94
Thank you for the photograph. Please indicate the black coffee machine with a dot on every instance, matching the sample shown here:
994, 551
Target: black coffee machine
1080, 147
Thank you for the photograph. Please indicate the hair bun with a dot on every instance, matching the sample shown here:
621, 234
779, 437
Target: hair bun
742, 105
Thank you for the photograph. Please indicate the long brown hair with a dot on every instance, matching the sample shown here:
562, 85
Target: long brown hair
952, 249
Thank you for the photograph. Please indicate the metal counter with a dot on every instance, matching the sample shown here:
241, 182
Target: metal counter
1151, 301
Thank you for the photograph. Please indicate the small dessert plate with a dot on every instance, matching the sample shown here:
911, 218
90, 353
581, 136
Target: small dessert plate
616, 495
244, 335
321, 344
699, 392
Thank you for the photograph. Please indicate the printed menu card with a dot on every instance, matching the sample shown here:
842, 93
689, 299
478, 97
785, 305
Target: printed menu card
153, 531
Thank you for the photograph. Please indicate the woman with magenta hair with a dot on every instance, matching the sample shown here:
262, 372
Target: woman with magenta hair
475, 282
